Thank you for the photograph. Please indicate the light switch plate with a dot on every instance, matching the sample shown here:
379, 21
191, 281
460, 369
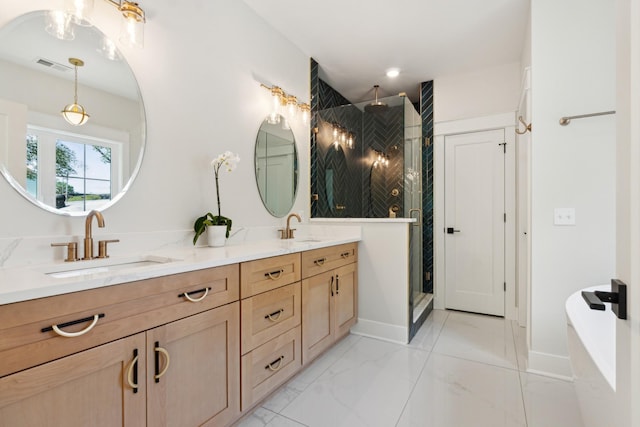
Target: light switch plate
564, 216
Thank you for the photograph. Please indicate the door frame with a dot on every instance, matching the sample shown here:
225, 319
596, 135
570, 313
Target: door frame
504, 121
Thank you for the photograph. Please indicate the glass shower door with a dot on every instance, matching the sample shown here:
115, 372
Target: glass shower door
418, 300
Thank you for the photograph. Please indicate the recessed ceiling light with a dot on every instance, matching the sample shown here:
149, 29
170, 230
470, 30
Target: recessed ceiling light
394, 72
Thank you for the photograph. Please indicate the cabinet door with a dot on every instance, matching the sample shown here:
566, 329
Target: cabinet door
317, 315
89, 388
193, 369
346, 298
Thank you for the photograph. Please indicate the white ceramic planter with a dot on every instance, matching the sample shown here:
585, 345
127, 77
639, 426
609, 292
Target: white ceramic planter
216, 235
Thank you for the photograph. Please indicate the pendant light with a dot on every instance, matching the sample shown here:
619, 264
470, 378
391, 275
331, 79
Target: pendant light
75, 114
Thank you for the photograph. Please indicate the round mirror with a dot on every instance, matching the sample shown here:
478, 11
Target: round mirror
48, 64
276, 163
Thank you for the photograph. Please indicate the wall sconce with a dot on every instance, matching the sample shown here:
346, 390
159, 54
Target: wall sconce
75, 114
342, 136
287, 104
131, 31
381, 159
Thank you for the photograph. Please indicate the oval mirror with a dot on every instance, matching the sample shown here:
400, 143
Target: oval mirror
60, 167
335, 172
276, 164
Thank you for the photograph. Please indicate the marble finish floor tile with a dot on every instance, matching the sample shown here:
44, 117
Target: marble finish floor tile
477, 337
265, 418
429, 332
550, 402
460, 370
458, 392
367, 387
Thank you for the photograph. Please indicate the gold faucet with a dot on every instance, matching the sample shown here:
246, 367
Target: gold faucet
88, 238
287, 233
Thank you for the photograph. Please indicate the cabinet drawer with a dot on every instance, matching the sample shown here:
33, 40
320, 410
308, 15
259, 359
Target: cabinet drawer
269, 314
270, 365
26, 327
262, 275
324, 259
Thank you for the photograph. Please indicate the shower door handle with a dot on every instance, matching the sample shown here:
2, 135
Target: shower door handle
419, 221
451, 230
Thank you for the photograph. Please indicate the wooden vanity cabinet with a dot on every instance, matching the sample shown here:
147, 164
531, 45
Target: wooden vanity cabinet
193, 370
84, 389
271, 316
180, 367
329, 297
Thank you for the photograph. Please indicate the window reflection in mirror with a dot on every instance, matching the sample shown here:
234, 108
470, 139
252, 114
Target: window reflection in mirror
71, 172
276, 166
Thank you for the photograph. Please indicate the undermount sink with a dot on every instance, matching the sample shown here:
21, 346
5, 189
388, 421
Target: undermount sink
307, 240
108, 265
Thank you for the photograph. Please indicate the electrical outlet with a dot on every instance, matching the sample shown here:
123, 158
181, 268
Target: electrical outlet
564, 216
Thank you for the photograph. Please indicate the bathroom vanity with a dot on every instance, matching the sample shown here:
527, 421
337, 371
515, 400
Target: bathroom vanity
199, 341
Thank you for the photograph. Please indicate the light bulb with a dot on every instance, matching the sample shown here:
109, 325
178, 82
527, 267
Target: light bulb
59, 25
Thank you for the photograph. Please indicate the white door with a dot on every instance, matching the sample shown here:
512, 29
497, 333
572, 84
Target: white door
475, 222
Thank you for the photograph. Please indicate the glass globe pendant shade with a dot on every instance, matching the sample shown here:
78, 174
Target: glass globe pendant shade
75, 114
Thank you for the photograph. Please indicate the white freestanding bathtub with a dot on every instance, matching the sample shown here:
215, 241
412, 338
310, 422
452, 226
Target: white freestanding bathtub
592, 350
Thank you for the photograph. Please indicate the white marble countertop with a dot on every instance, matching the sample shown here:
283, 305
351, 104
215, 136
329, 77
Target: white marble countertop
357, 220
32, 281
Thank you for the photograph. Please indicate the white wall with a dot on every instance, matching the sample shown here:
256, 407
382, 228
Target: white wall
484, 92
199, 74
573, 72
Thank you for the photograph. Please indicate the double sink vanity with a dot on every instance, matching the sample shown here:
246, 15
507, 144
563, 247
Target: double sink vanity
188, 336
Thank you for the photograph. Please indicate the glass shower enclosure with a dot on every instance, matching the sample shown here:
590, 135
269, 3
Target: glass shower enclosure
369, 165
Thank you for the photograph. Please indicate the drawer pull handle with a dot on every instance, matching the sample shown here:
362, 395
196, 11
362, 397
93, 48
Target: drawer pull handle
319, 262
186, 295
57, 330
165, 353
275, 316
337, 285
345, 254
274, 275
276, 365
132, 372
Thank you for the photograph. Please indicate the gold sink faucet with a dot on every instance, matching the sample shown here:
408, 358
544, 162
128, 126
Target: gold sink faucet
287, 233
88, 238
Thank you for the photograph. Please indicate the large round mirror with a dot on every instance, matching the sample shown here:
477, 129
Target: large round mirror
276, 163
64, 168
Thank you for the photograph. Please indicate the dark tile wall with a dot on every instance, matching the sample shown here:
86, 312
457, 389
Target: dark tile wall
426, 112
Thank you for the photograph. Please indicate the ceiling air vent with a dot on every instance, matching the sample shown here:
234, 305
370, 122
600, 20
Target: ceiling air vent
51, 64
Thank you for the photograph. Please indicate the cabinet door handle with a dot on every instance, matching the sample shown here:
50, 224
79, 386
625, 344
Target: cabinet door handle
132, 372
165, 353
276, 365
332, 278
188, 298
274, 275
345, 254
275, 316
319, 262
337, 285
57, 330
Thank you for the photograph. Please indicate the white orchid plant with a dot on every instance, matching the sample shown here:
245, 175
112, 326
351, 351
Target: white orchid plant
229, 161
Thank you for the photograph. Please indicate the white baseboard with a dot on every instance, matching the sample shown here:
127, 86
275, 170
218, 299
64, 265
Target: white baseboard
550, 365
383, 331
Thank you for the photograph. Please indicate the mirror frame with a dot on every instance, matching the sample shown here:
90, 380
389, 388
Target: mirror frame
134, 168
